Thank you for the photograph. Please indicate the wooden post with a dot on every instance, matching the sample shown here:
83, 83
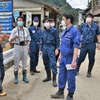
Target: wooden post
42, 17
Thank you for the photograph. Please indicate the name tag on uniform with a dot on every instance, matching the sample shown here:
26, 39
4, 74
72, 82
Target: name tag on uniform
69, 67
33, 31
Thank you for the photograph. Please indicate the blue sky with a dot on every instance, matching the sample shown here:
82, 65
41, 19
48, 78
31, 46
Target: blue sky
82, 4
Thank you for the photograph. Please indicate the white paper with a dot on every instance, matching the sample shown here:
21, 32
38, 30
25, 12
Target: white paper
69, 67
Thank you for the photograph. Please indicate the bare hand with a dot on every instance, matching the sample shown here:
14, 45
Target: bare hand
3, 36
74, 64
40, 52
56, 52
59, 58
16, 36
28, 47
98, 46
27, 40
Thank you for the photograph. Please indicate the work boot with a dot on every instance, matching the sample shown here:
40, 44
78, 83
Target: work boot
78, 67
24, 77
31, 70
59, 94
69, 98
90, 67
35, 71
48, 78
16, 77
2, 94
54, 80
88, 74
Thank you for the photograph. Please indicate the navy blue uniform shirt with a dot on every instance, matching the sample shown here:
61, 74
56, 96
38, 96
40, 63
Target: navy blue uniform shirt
50, 36
70, 39
35, 33
1, 49
88, 32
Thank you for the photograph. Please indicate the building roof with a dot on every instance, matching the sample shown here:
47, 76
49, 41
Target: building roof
96, 12
86, 10
53, 7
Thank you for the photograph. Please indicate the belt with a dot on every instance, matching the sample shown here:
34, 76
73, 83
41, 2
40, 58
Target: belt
49, 45
36, 42
20, 44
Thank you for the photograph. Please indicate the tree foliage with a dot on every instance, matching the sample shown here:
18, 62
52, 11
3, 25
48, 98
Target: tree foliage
63, 7
90, 3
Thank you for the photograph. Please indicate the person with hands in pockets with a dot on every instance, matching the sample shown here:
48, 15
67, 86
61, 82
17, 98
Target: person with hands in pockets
70, 44
20, 37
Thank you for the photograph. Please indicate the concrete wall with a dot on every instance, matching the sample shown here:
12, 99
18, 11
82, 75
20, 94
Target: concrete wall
80, 19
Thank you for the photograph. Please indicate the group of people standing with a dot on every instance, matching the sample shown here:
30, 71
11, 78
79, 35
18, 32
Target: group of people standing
35, 41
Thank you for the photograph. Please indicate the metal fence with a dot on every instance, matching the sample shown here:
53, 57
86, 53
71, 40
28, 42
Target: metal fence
8, 56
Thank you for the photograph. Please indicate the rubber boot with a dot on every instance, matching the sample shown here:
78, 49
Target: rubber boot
70, 96
48, 78
78, 67
31, 70
59, 94
16, 77
90, 67
54, 80
24, 77
35, 71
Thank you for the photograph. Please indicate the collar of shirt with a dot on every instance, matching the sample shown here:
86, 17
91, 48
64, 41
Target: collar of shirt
67, 29
90, 24
35, 28
49, 29
21, 29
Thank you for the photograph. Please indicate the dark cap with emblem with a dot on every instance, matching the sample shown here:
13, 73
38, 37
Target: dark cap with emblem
35, 18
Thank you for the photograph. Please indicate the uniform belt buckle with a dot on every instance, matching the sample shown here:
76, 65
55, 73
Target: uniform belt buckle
38, 42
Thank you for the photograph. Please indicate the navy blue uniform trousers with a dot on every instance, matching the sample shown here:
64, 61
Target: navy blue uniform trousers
66, 75
2, 72
49, 58
34, 54
90, 49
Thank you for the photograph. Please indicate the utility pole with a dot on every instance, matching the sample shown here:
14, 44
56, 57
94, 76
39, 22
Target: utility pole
88, 1
92, 5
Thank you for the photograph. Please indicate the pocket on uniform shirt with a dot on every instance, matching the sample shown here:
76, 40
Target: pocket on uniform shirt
93, 30
51, 37
67, 40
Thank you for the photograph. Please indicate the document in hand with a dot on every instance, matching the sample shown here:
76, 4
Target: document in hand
69, 67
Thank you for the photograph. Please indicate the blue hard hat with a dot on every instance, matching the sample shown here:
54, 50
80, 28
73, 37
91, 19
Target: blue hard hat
36, 18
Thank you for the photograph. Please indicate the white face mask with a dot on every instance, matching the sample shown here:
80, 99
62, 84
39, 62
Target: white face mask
63, 23
35, 23
88, 20
47, 24
52, 24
